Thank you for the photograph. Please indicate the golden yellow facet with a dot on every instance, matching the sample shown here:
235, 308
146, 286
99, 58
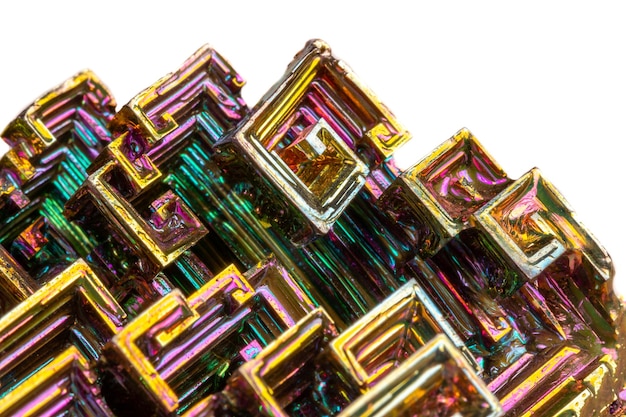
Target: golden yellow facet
114, 205
65, 362
382, 339
418, 383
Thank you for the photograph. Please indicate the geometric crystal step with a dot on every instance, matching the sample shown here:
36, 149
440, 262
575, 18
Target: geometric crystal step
202, 337
435, 198
53, 141
50, 342
398, 346
437, 380
311, 143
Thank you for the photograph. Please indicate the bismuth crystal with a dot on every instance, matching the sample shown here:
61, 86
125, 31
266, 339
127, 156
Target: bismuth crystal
188, 255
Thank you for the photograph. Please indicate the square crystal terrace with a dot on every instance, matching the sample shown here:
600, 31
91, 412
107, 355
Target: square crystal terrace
314, 139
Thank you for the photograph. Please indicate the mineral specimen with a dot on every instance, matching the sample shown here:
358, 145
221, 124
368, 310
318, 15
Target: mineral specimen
188, 255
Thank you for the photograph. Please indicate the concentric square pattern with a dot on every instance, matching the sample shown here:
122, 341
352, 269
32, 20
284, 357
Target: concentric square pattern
190, 256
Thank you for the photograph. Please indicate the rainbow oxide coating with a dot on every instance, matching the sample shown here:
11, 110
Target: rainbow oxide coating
187, 255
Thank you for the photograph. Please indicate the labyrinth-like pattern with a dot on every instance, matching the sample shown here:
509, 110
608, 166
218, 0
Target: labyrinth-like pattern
188, 255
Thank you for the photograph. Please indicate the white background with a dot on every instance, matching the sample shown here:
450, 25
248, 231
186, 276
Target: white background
539, 84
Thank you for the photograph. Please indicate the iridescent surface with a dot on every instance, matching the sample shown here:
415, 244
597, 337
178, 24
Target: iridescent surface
53, 142
190, 256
